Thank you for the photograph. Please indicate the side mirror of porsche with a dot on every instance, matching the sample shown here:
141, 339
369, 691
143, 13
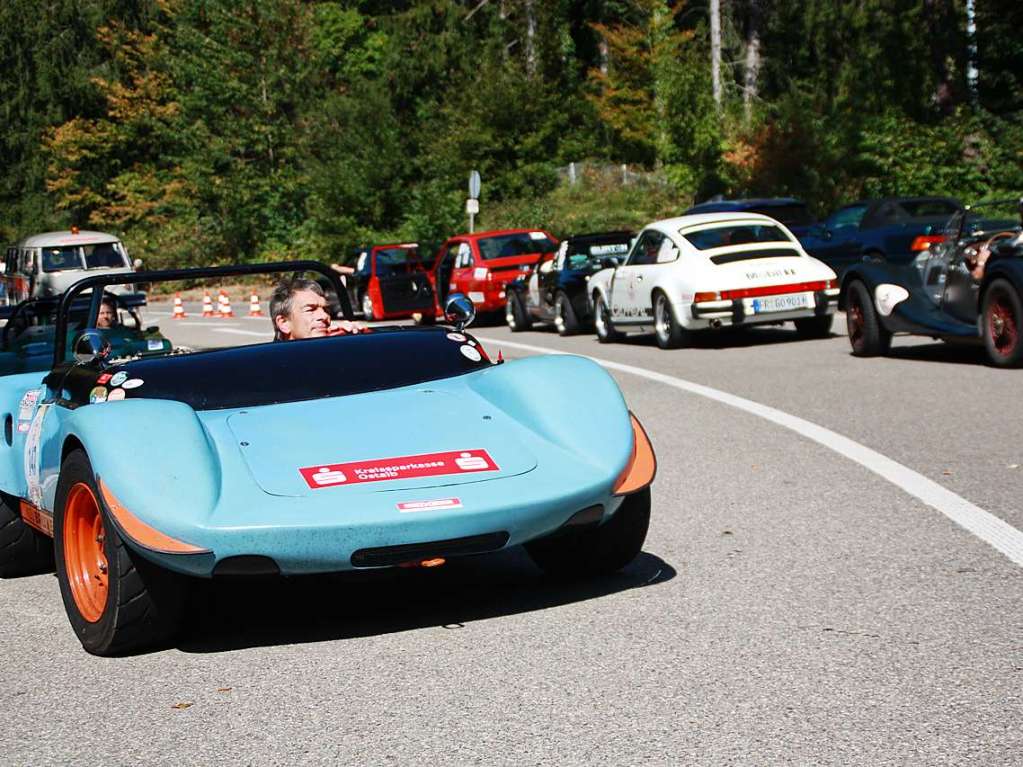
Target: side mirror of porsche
91, 346
459, 311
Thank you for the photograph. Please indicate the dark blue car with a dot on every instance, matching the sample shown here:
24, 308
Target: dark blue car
788, 210
891, 230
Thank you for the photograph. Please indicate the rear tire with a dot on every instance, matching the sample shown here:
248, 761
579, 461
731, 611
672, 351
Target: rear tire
515, 314
1003, 324
669, 332
815, 327
605, 328
598, 550
565, 319
867, 336
23, 550
116, 600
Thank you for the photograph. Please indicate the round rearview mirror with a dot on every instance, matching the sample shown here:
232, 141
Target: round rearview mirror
459, 311
91, 346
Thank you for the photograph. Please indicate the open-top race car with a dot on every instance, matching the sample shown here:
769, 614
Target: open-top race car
395, 447
967, 286
710, 271
555, 288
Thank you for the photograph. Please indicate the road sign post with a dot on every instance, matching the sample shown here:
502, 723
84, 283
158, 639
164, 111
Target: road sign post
472, 205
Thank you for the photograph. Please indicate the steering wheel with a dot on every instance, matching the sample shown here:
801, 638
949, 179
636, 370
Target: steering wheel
977, 258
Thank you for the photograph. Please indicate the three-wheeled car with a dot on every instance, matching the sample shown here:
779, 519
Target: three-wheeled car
135, 474
966, 286
554, 291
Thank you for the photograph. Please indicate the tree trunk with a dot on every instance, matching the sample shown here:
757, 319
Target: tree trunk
751, 75
715, 50
530, 38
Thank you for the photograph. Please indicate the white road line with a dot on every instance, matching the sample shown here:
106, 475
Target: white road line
239, 332
986, 526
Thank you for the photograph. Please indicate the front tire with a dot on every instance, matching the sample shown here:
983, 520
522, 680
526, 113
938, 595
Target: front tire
23, 550
1002, 324
565, 319
867, 336
116, 600
515, 314
670, 333
815, 327
605, 328
597, 550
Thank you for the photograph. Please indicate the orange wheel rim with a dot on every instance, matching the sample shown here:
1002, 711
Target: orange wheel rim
84, 556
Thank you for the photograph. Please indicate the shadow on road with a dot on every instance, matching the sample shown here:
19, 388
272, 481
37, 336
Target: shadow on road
948, 353
235, 614
726, 338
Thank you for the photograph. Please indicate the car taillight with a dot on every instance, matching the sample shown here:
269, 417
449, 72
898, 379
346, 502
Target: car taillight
706, 297
777, 290
924, 241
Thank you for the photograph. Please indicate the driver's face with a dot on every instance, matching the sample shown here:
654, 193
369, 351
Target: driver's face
106, 316
308, 317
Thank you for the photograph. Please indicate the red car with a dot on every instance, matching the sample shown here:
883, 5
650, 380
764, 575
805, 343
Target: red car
481, 264
392, 281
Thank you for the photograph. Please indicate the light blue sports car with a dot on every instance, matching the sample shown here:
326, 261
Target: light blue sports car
404, 446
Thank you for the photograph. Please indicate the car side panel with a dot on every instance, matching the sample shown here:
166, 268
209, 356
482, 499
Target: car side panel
12, 456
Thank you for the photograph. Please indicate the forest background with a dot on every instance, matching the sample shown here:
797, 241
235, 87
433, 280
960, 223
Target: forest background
210, 131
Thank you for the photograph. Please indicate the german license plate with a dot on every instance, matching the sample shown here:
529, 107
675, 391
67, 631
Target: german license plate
784, 303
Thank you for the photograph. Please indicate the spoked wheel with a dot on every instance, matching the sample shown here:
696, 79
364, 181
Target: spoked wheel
1003, 324
565, 319
867, 336
116, 600
606, 332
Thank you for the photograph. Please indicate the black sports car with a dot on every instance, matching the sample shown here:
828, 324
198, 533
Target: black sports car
554, 290
967, 286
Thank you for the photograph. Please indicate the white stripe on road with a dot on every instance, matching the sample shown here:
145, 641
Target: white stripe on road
239, 332
986, 526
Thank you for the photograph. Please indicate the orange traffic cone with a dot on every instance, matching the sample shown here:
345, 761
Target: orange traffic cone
207, 304
179, 308
225, 305
254, 310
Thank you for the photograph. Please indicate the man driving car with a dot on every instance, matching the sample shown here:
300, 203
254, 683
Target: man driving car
298, 309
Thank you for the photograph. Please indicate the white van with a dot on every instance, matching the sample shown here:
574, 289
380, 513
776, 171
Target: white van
47, 264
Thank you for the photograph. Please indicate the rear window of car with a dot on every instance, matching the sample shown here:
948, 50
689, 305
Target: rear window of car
928, 208
740, 234
790, 215
520, 244
750, 255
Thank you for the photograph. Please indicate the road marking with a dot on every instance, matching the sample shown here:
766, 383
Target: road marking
986, 526
239, 332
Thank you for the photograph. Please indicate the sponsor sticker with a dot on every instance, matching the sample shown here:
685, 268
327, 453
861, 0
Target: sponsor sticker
35, 432
154, 344
115, 395
98, 394
471, 353
103, 378
27, 405
401, 467
609, 249
37, 518
457, 337
408, 507
132, 383
119, 378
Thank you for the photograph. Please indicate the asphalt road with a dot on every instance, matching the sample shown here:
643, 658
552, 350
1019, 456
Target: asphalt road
790, 606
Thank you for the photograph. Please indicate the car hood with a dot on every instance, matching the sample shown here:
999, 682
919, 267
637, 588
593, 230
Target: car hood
388, 441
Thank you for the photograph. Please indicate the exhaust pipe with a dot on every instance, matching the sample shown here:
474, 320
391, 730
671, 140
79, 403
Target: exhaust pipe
715, 324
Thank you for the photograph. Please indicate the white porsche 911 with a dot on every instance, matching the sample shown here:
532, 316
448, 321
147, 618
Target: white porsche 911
713, 270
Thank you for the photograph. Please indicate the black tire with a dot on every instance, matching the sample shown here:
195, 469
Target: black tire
605, 328
1002, 324
815, 327
143, 602
366, 304
23, 550
597, 550
867, 336
515, 314
669, 332
565, 319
